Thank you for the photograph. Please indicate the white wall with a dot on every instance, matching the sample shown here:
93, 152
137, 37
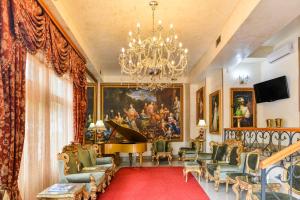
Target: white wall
230, 80
287, 109
194, 130
213, 83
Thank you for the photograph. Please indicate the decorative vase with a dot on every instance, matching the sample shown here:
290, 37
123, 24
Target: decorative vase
279, 123
270, 123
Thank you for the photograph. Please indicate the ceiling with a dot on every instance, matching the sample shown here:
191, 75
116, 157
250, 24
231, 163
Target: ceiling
103, 25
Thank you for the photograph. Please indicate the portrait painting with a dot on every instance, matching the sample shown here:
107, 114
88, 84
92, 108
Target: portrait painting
152, 113
200, 104
91, 95
243, 108
215, 112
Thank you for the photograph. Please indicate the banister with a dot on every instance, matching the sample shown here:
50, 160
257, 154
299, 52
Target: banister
290, 129
280, 155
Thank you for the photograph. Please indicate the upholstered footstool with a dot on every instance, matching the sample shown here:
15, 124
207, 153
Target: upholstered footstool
191, 166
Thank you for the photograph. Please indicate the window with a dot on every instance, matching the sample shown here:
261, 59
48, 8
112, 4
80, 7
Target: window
49, 125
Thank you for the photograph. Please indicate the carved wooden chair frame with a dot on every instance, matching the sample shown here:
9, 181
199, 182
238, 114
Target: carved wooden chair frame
162, 154
285, 176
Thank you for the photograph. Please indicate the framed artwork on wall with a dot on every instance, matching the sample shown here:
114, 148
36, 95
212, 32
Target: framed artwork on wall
200, 104
91, 95
215, 112
243, 107
152, 113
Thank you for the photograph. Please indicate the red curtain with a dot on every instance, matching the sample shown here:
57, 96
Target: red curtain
25, 27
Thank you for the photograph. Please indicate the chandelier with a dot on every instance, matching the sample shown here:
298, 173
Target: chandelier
155, 62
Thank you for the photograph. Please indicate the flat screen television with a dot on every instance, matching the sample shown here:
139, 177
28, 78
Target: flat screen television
272, 90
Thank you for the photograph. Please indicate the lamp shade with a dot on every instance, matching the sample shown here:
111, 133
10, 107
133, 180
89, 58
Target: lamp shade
201, 123
100, 124
92, 125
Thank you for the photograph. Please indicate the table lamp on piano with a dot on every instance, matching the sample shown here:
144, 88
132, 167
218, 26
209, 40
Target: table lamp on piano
98, 129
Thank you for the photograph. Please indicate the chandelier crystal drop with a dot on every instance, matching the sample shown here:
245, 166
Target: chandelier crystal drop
155, 62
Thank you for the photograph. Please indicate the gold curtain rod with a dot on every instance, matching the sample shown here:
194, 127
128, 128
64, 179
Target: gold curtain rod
60, 28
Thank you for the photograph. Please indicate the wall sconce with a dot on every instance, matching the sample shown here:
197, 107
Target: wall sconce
243, 79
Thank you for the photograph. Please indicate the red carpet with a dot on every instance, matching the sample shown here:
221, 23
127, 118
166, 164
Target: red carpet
153, 183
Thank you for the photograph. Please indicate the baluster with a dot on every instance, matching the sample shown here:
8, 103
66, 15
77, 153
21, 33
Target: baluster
263, 184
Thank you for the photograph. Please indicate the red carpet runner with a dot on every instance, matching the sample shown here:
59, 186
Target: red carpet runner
153, 183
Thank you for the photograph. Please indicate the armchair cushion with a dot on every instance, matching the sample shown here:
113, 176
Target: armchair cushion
78, 178
221, 151
233, 156
93, 156
72, 164
252, 161
211, 168
160, 146
84, 157
104, 160
271, 196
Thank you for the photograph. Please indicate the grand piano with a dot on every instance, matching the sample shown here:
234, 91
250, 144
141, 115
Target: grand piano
129, 141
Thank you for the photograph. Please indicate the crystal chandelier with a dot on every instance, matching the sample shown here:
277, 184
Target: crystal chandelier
156, 61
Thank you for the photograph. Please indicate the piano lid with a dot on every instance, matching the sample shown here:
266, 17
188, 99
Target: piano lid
128, 133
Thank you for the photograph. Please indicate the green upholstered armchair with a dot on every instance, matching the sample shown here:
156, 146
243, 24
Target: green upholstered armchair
78, 164
249, 166
295, 186
161, 148
218, 154
190, 153
217, 171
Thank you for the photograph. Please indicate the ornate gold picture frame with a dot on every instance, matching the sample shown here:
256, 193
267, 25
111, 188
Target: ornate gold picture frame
200, 104
243, 108
152, 113
215, 112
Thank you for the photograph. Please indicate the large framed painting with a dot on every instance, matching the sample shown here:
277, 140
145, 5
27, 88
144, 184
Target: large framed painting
243, 107
200, 104
152, 113
91, 95
215, 112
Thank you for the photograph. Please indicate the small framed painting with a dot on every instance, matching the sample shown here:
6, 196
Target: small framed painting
91, 95
200, 104
243, 108
215, 112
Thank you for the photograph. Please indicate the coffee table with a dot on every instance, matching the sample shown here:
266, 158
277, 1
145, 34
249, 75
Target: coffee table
64, 191
251, 185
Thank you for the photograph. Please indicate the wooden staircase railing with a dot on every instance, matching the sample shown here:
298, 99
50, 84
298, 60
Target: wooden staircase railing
280, 155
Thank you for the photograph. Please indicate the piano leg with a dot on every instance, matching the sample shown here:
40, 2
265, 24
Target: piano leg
141, 158
130, 158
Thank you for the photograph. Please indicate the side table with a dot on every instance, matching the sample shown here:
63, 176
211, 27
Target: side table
64, 191
191, 167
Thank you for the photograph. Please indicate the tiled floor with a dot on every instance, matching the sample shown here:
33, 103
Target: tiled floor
208, 187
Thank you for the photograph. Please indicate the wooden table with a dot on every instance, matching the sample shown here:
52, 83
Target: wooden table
76, 191
247, 183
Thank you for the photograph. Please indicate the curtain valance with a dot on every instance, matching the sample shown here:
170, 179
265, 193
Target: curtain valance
26, 27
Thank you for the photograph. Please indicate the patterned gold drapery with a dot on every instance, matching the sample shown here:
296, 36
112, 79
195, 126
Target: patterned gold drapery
26, 27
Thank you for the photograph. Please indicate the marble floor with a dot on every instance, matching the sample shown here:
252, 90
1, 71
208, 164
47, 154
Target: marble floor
208, 187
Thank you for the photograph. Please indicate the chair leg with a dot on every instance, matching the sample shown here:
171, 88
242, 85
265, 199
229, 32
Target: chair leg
227, 183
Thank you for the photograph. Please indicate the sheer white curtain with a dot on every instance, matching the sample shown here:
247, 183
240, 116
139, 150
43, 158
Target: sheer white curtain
49, 125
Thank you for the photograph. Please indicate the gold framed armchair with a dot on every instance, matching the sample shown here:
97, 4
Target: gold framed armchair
161, 148
78, 164
249, 165
217, 171
190, 153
